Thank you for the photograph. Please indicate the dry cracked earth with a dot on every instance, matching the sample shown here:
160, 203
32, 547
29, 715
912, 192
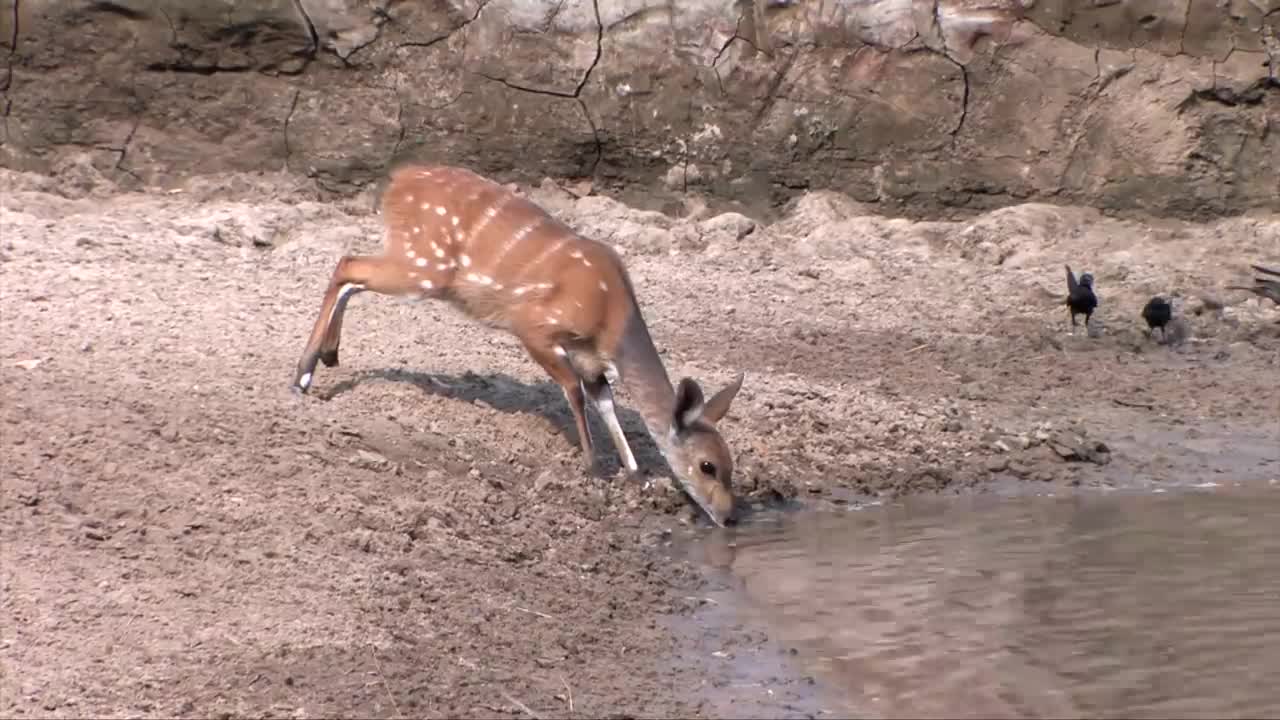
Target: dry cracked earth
182, 536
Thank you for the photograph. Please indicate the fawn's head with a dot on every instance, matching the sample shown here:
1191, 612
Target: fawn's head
698, 454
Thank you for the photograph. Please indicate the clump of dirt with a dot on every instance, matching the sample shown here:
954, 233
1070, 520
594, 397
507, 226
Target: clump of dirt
184, 536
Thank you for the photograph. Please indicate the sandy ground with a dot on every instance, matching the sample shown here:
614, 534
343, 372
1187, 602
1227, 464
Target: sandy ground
182, 536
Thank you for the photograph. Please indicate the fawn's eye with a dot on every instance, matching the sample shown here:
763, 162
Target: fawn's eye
707, 468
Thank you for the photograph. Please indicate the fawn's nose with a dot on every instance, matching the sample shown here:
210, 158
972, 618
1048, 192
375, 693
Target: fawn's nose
723, 505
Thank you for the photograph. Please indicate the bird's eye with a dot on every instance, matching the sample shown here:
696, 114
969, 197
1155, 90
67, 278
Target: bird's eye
707, 468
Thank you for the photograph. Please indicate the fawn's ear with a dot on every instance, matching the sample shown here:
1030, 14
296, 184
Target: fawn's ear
718, 405
689, 404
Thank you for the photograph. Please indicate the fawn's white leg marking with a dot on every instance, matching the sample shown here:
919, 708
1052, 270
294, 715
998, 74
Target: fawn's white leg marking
603, 400
304, 382
344, 294
611, 373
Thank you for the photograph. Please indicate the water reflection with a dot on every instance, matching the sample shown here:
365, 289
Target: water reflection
1101, 606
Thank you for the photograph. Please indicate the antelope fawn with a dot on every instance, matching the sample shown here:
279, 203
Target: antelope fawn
505, 262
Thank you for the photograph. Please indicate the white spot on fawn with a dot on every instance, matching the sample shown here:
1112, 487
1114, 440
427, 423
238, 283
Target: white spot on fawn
426, 206
576, 254
586, 262
560, 351
422, 262
440, 210
426, 284
455, 221
439, 250
491, 212
416, 230
409, 254
552, 320
604, 286
465, 259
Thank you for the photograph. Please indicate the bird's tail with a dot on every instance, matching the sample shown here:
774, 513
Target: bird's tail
1071, 280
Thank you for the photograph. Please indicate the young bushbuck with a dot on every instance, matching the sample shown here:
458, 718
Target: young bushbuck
454, 235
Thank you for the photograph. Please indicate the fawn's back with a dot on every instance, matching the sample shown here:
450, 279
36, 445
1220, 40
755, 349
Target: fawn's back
500, 257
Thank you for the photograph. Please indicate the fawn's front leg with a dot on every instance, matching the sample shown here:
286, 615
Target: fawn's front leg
602, 397
553, 359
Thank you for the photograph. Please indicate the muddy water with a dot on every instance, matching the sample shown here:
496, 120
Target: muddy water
1114, 605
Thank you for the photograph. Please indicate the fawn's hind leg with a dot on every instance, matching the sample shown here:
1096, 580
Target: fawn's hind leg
355, 274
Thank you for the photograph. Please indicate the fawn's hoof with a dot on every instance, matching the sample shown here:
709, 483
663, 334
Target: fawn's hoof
301, 384
329, 357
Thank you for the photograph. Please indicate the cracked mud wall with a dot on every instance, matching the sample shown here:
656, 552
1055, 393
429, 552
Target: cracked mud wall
1160, 106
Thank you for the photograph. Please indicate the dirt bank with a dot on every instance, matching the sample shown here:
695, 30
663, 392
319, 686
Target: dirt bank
184, 537
929, 107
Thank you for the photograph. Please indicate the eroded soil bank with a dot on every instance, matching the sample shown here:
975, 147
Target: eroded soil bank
184, 537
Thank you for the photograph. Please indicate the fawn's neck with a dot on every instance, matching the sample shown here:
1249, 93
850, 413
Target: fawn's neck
646, 379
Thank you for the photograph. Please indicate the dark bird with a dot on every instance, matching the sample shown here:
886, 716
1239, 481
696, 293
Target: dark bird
1263, 287
1080, 297
1157, 312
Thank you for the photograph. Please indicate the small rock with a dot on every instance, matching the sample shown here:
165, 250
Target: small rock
544, 480
997, 464
370, 460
